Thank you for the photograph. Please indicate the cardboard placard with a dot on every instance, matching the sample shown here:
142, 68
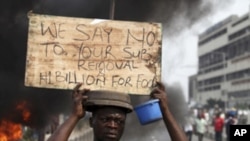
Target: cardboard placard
102, 54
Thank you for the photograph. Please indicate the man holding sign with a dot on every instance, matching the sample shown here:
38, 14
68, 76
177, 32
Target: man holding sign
113, 57
109, 118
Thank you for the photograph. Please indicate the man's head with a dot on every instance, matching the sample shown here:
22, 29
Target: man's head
218, 114
199, 116
108, 123
109, 111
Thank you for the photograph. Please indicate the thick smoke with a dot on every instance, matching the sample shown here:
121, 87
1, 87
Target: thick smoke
13, 39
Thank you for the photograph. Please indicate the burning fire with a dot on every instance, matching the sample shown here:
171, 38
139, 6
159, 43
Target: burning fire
22, 107
10, 130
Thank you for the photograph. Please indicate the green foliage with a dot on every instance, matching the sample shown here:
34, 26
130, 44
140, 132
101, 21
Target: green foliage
212, 102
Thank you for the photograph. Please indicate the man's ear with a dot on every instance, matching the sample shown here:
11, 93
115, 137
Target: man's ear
91, 122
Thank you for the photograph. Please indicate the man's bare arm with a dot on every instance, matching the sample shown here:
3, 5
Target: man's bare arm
175, 131
63, 132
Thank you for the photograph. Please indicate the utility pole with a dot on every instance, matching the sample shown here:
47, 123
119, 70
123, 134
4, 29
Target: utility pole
112, 10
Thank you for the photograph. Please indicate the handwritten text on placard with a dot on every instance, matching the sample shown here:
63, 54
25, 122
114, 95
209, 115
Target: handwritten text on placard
101, 54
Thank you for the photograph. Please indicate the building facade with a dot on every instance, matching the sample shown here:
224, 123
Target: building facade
192, 89
224, 62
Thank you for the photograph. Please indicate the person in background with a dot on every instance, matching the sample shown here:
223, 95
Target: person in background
242, 118
201, 126
218, 124
108, 121
229, 120
206, 115
188, 127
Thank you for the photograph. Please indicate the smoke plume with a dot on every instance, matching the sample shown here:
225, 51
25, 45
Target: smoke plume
13, 38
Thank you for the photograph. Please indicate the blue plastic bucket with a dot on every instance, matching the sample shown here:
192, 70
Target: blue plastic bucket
148, 112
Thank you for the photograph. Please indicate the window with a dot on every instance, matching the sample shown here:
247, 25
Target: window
245, 93
216, 35
240, 21
238, 74
211, 81
238, 47
238, 33
212, 88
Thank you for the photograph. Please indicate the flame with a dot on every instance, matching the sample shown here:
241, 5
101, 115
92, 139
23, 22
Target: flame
10, 131
22, 107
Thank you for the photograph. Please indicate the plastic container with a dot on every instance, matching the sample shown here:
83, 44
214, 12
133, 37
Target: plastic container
148, 112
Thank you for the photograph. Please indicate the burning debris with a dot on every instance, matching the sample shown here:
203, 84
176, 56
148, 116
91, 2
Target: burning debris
23, 110
10, 131
11, 127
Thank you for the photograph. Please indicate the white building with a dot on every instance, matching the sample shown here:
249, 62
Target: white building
224, 62
192, 93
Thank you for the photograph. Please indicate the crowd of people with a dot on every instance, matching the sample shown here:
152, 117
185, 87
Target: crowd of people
213, 123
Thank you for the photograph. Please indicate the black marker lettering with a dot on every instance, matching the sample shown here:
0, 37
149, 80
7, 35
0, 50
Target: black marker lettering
79, 29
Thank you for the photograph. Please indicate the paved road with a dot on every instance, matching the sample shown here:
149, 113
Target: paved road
210, 136
195, 138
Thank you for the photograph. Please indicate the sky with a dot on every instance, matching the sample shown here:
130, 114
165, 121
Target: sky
184, 45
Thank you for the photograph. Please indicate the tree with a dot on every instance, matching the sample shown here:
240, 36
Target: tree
211, 102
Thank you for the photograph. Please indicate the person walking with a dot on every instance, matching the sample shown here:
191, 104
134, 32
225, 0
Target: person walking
188, 128
201, 126
218, 123
230, 120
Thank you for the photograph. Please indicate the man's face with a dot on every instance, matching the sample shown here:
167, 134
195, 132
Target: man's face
108, 123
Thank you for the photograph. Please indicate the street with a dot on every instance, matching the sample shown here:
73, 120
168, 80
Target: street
209, 136
195, 138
